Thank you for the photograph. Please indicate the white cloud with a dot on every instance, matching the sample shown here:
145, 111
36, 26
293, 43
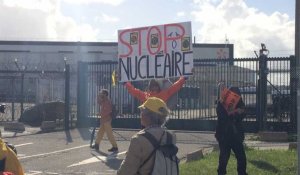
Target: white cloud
65, 28
104, 18
107, 18
45, 5
20, 21
180, 14
109, 2
245, 27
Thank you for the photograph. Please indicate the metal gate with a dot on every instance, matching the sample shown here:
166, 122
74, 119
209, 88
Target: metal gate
267, 85
24, 89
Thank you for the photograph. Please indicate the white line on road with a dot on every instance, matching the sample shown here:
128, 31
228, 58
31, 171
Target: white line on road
51, 173
40, 172
23, 144
34, 172
21, 155
98, 159
54, 152
90, 160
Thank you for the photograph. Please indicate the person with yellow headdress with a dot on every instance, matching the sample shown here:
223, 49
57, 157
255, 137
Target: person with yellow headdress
8, 160
139, 157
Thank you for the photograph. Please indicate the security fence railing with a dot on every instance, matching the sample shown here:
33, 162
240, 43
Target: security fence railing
21, 90
267, 91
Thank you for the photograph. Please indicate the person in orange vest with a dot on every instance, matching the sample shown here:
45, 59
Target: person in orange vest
154, 90
105, 106
230, 133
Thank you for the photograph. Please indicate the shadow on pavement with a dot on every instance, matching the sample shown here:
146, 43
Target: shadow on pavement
84, 133
68, 136
112, 161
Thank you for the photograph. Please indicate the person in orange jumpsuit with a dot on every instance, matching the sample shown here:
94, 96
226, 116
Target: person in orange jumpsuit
105, 121
154, 90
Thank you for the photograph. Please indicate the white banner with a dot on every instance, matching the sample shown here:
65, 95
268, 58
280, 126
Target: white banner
155, 52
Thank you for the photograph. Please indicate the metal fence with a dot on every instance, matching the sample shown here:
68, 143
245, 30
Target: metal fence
21, 90
265, 83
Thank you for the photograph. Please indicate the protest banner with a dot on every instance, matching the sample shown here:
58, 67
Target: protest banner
161, 51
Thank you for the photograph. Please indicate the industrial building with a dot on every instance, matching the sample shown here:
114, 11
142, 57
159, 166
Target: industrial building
38, 67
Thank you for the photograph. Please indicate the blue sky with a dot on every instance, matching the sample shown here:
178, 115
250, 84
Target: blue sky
269, 6
244, 23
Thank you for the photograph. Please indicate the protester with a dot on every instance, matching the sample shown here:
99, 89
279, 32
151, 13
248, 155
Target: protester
138, 158
154, 90
105, 105
230, 133
9, 163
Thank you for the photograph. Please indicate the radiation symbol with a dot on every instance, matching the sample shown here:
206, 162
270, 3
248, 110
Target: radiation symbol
154, 40
133, 38
185, 43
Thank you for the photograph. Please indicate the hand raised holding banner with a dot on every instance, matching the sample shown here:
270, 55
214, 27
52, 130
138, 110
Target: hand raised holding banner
155, 90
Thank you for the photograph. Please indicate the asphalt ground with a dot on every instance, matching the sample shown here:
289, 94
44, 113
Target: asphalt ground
187, 141
68, 152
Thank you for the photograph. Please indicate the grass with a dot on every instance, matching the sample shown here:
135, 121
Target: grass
259, 162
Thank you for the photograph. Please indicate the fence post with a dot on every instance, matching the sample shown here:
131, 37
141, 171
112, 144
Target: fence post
262, 92
13, 100
293, 94
82, 83
22, 92
67, 97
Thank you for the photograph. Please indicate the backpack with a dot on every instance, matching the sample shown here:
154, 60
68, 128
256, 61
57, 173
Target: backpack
166, 162
12, 147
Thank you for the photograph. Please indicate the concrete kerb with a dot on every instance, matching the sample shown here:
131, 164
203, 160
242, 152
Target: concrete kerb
198, 154
273, 136
14, 127
48, 126
259, 145
293, 145
190, 156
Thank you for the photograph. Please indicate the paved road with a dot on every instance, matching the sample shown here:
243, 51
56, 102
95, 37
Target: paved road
66, 153
69, 153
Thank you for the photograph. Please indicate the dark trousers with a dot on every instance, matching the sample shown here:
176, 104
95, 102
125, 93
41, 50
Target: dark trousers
225, 149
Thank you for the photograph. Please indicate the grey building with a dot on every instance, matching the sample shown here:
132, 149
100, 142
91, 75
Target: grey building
42, 64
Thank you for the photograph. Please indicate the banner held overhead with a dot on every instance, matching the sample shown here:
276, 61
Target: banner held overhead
161, 51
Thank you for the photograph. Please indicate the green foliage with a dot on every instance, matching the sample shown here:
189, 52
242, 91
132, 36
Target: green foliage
259, 162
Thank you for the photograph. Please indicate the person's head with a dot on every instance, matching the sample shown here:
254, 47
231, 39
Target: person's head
103, 93
154, 111
235, 90
154, 86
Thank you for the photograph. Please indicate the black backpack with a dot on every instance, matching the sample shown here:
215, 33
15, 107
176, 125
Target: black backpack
12, 147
